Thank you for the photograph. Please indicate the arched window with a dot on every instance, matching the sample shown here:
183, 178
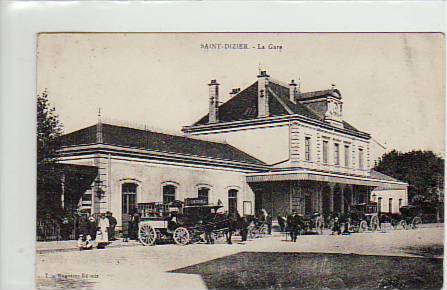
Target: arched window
203, 193
169, 191
129, 197
232, 201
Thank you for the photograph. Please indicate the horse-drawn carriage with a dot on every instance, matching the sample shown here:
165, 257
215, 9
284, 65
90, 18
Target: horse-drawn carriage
313, 223
182, 223
257, 227
362, 217
408, 218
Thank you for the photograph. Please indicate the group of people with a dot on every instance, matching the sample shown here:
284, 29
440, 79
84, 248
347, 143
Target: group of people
97, 232
295, 224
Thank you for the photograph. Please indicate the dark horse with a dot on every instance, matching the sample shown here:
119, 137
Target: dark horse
236, 223
225, 224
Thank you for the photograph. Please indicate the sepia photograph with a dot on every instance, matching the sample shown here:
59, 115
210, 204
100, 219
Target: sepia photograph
240, 160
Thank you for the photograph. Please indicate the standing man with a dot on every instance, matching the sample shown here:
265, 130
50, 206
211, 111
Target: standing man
135, 223
298, 222
65, 228
269, 224
102, 238
112, 223
244, 228
292, 226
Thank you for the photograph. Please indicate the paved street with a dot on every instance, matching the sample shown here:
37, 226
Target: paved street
142, 267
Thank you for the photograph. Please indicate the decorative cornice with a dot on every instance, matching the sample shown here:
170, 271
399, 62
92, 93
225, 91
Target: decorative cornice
157, 155
229, 126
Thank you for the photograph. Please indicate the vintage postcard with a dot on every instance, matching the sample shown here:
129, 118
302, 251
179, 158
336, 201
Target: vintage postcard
240, 160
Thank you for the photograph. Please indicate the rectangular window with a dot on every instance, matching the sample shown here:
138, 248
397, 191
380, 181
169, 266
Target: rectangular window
169, 193
325, 152
307, 148
360, 158
400, 203
232, 202
347, 155
203, 193
337, 154
390, 205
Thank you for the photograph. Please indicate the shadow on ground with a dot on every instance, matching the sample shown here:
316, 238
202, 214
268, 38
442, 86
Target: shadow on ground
427, 251
254, 270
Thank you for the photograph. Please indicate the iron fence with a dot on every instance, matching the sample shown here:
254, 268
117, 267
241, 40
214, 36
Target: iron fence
51, 230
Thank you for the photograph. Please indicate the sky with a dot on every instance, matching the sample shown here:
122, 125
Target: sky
392, 84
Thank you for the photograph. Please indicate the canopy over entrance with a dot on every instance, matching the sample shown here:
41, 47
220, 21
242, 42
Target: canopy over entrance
376, 179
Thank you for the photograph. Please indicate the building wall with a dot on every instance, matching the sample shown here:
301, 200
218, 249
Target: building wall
386, 194
298, 133
151, 176
287, 141
267, 143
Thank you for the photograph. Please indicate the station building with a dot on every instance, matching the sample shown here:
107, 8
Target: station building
284, 150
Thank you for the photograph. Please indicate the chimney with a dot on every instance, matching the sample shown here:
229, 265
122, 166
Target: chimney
294, 89
234, 92
263, 96
213, 116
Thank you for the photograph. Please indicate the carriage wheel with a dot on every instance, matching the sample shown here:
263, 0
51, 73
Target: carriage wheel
263, 230
416, 222
251, 233
375, 224
363, 227
147, 235
402, 225
181, 236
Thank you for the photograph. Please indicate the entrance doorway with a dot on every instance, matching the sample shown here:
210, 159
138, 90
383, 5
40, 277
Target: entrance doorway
337, 199
259, 201
326, 199
347, 193
307, 203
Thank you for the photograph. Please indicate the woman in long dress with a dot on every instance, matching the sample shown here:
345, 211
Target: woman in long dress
102, 236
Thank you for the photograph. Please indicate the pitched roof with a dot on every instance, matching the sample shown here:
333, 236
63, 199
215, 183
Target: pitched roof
244, 105
156, 141
319, 94
379, 175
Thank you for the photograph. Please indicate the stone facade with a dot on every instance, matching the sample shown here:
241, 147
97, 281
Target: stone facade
150, 177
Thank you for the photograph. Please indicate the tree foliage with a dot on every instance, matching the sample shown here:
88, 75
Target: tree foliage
49, 128
422, 170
